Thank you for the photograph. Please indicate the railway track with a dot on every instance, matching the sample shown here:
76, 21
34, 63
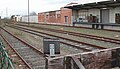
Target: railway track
33, 58
75, 27
116, 41
67, 41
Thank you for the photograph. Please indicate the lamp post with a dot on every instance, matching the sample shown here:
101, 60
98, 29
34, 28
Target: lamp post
28, 11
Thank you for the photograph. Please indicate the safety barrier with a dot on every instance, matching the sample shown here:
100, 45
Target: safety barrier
97, 59
71, 62
5, 61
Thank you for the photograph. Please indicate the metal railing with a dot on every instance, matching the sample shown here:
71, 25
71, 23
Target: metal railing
64, 62
97, 59
71, 62
5, 61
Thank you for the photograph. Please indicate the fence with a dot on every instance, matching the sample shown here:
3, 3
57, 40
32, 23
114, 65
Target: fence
98, 59
5, 61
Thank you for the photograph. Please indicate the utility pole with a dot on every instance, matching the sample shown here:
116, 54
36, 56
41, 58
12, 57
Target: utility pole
6, 15
1, 14
6, 12
28, 11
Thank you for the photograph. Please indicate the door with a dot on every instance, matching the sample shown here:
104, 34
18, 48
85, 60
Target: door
104, 16
66, 19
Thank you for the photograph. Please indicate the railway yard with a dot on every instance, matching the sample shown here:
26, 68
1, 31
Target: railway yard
25, 43
60, 34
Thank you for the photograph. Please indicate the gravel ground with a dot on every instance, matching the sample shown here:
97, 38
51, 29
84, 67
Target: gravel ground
96, 33
37, 42
90, 41
18, 64
115, 35
35, 60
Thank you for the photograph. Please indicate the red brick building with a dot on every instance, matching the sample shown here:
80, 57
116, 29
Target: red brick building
62, 16
54, 16
59, 16
66, 16
41, 17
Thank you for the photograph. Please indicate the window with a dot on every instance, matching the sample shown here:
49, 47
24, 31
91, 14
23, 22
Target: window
117, 18
58, 15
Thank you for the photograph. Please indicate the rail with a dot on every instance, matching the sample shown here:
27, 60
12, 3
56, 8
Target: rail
5, 61
97, 25
106, 24
78, 34
64, 38
94, 26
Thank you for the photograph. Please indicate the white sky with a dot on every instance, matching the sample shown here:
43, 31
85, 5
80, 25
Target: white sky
19, 7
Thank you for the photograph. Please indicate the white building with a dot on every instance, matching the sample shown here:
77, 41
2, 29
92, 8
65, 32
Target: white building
32, 18
102, 12
16, 18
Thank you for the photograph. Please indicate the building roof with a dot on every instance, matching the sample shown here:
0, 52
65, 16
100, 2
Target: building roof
52, 11
103, 4
71, 4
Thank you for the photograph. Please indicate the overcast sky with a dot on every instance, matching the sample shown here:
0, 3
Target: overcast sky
19, 7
